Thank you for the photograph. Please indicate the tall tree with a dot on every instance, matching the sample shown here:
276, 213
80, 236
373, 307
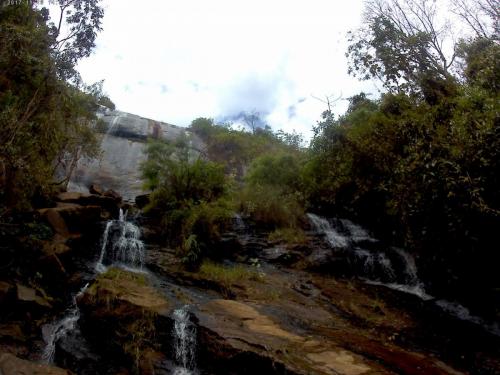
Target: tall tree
404, 44
44, 119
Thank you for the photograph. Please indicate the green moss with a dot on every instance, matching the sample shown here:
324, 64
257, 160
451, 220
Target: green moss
228, 275
288, 235
118, 274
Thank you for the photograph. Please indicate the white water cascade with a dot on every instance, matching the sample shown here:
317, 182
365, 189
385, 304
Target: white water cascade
121, 244
61, 328
321, 225
184, 334
376, 266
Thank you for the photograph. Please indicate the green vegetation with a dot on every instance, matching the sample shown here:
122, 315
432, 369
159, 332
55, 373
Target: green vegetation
196, 198
190, 195
423, 160
46, 114
227, 275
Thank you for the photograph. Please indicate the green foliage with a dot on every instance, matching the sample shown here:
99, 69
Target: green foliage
226, 276
236, 149
190, 195
270, 207
427, 170
402, 46
46, 123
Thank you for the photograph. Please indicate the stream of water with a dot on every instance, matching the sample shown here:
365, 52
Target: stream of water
184, 334
377, 266
121, 245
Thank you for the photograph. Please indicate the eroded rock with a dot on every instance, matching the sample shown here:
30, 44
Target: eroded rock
246, 338
29, 296
125, 317
11, 365
69, 218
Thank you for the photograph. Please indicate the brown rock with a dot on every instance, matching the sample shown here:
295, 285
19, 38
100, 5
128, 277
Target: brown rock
231, 327
142, 200
113, 194
96, 189
11, 365
69, 218
56, 221
12, 331
121, 313
6, 292
108, 203
29, 296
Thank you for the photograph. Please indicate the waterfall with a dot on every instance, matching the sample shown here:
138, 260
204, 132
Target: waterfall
410, 267
121, 244
184, 333
358, 233
323, 226
376, 266
462, 313
238, 223
61, 328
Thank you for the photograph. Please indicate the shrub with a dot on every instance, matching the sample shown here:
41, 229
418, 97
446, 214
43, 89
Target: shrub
269, 206
189, 197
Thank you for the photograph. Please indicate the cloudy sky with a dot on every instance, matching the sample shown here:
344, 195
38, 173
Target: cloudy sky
178, 60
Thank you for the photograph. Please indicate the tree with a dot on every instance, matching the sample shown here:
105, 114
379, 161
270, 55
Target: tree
476, 14
74, 33
45, 121
404, 46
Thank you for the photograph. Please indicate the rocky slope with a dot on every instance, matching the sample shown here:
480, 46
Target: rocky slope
123, 139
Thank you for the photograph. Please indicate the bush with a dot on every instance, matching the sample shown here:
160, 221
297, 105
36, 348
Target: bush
270, 207
189, 196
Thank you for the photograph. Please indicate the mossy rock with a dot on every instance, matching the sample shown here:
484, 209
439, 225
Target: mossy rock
124, 316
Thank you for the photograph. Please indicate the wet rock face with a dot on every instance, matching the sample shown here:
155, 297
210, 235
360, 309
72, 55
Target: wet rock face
247, 340
124, 318
122, 148
11, 365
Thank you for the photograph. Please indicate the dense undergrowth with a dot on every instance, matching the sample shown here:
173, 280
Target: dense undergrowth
420, 164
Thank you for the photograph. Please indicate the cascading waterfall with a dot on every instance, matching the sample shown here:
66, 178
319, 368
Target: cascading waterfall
121, 244
358, 233
376, 266
184, 333
462, 313
61, 328
323, 226
382, 263
238, 223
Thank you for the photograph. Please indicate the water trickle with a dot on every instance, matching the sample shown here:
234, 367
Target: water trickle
323, 226
121, 244
358, 233
184, 342
410, 267
61, 328
238, 223
386, 265
462, 313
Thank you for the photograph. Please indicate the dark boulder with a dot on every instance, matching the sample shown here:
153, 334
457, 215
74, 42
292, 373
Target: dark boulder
142, 200
96, 189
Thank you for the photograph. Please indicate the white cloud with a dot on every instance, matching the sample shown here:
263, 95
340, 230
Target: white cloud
178, 60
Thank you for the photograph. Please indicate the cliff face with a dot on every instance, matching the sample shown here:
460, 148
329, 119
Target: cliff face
122, 151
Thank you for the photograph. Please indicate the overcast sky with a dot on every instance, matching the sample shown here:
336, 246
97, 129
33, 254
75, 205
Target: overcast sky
178, 60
